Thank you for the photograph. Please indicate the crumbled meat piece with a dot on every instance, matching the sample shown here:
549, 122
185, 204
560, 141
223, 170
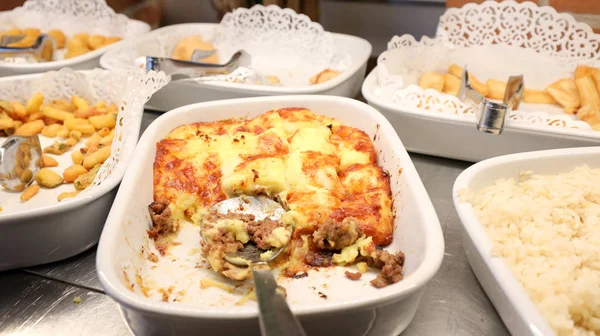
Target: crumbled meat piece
319, 258
353, 275
334, 235
260, 230
391, 265
161, 218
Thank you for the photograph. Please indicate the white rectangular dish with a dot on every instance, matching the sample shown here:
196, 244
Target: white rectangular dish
326, 302
160, 42
494, 40
512, 302
71, 17
43, 229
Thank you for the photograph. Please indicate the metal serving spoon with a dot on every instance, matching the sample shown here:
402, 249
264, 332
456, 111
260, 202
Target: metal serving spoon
20, 159
42, 49
276, 318
193, 69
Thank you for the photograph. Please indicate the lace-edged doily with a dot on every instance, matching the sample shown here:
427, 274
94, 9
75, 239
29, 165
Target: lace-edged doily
70, 16
279, 41
130, 89
521, 37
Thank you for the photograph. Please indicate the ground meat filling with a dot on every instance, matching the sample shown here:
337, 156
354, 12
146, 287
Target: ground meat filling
391, 265
353, 275
221, 241
334, 235
319, 258
161, 218
260, 230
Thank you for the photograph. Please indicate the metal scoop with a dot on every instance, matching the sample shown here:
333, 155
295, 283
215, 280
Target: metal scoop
193, 69
41, 50
492, 115
275, 316
20, 159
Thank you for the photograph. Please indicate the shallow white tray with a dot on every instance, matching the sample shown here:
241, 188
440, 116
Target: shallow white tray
513, 304
183, 92
495, 40
71, 16
351, 308
43, 230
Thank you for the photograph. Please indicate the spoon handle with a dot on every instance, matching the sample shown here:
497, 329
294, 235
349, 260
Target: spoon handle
276, 318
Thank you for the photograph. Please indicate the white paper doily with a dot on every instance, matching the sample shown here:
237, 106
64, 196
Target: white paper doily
281, 43
495, 40
129, 89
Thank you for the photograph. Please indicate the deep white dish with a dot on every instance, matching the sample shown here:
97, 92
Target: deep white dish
510, 299
318, 50
72, 17
495, 40
350, 308
44, 230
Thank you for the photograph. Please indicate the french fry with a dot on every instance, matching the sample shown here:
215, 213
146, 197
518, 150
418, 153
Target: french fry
30, 128
77, 157
49, 161
565, 92
63, 132
596, 79
35, 116
496, 89
96, 157
80, 103
323, 76
54, 113
51, 130
63, 105
103, 121
538, 97
86, 129
28, 193
451, 84
72, 122
476, 84
19, 111
587, 91
65, 195
432, 80
72, 173
96, 41
33, 105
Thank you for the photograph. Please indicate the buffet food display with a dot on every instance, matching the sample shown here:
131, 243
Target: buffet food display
416, 82
289, 54
356, 228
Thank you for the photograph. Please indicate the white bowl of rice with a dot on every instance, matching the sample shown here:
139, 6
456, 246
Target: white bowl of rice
531, 232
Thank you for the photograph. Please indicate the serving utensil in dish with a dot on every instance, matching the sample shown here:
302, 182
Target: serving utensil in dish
20, 159
275, 316
341, 306
41, 50
193, 69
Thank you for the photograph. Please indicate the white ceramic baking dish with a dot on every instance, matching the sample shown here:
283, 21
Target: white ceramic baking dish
183, 92
43, 230
350, 308
445, 135
511, 300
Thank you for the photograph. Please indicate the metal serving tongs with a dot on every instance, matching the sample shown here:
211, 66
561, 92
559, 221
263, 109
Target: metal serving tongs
275, 316
492, 115
20, 159
193, 69
41, 50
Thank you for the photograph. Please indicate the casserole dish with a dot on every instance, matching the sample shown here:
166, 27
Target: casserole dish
325, 301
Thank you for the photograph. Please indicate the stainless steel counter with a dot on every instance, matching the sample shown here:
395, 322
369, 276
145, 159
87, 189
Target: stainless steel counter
40, 300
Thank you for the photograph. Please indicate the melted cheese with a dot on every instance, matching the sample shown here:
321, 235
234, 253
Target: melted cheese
316, 166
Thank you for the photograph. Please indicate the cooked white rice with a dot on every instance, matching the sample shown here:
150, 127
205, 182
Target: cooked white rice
547, 228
